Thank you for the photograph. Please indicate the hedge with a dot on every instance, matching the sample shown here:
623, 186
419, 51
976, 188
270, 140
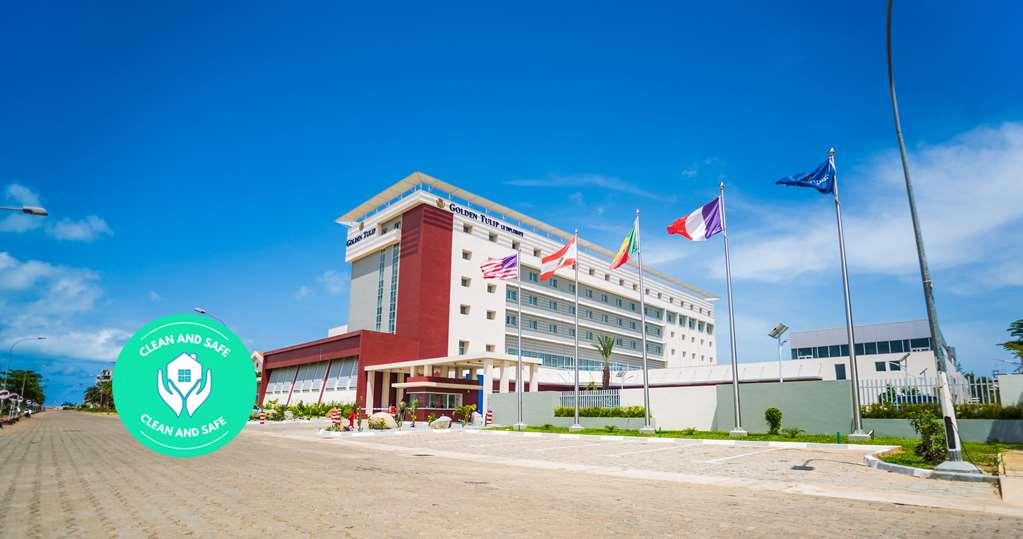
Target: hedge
963, 411
596, 411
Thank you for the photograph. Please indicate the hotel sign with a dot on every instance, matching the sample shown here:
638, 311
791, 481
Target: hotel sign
361, 236
490, 221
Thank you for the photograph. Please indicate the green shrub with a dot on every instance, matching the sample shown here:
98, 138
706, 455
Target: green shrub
773, 417
963, 411
792, 432
689, 431
932, 436
610, 428
596, 411
547, 426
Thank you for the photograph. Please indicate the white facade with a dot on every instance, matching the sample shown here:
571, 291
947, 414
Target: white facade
484, 314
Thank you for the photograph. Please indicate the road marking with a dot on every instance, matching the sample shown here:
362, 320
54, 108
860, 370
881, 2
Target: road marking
739, 456
579, 445
678, 446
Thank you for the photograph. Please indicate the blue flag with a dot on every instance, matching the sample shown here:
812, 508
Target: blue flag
822, 179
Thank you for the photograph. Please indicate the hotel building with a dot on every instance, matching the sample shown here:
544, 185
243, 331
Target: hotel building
422, 320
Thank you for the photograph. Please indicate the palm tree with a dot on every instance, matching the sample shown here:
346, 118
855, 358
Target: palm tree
1015, 346
606, 345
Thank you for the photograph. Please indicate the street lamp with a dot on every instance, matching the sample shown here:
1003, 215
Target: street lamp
10, 357
776, 333
29, 210
202, 311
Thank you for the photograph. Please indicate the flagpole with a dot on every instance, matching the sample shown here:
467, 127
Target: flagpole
576, 426
738, 431
519, 425
857, 433
647, 427
955, 460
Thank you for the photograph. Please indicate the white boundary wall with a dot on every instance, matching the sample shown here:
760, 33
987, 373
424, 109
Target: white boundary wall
677, 408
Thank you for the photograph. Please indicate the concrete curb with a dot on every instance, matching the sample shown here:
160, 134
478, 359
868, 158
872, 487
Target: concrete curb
873, 461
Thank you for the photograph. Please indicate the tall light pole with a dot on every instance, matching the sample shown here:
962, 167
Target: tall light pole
955, 461
202, 311
776, 333
28, 210
10, 358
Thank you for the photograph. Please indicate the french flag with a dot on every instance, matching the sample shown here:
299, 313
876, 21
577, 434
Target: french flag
701, 224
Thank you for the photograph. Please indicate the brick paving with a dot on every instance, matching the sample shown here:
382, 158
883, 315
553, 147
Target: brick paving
73, 474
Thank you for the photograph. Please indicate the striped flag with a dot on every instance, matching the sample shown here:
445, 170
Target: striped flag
562, 258
501, 268
629, 247
701, 223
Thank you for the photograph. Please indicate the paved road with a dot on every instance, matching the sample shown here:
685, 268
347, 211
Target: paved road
66, 473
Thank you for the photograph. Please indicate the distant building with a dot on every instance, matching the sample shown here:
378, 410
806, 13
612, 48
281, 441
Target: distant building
105, 375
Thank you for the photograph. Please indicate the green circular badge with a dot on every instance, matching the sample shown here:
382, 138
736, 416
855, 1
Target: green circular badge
184, 385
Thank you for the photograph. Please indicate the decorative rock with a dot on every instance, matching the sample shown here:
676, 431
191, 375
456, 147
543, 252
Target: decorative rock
289, 415
441, 422
477, 420
381, 421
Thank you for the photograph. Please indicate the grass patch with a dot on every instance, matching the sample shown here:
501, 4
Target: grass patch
984, 455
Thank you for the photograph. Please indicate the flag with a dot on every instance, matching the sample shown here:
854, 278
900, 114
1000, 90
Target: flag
501, 268
701, 224
629, 247
562, 258
821, 179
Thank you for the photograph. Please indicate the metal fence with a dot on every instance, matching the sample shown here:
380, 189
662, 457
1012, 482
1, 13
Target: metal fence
923, 390
601, 398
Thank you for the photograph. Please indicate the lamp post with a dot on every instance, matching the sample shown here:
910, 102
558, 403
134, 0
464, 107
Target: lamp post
202, 311
776, 333
28, 210
10, 358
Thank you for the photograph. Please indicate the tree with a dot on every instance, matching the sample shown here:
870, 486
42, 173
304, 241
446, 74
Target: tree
28, 384
100, 395
1015, 346
606, 346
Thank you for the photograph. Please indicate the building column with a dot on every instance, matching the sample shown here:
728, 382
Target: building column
488, 384
472, 374
370, 375
534, 379
451, 372
399, 393
505, 371
385, 390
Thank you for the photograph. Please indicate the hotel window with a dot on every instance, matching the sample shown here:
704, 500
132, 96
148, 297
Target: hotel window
552, 305
603, 318
589, 335
466, 281
835, 351
532, 300
571, 332
534, 276
463, 347
879, 366
532, 324
491, 288
672, 334
553, 283
592, 271
658, 295
466, 255
621, 282
870, 348
536, 253
618, 341
491, 315
571, 287
510, 320
710, 331
607, 277
588, 293
672, 351
619, 302
380, 290
633, 343
553, 328
883, 348
392, 309
603, 298
571, 310
492, 237
467, 228
511, 295
632, 324
632, 306
620, 322
699, 325
635, 286
515, 245
491, 348
464, 309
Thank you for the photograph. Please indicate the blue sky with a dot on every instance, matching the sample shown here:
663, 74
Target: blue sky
197, 154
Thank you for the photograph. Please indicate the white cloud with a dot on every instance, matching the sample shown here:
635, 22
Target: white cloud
598, 181
333, 281
690, 172
154, 296
19, 195
968, 192
51, 300
302, 292
87, 229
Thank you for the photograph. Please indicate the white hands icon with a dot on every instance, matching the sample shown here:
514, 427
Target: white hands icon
194, 400
171, 398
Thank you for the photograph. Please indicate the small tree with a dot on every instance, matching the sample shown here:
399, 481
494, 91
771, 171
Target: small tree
932, 446
773, 417
605, 345
1015, 346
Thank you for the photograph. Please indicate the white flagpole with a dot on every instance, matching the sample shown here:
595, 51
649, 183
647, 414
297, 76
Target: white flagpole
519, 425
857, 433
647, 427
738, 431
576, 426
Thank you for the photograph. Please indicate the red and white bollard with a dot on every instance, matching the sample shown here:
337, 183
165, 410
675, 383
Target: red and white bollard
490, 417
262, 416
335, 416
